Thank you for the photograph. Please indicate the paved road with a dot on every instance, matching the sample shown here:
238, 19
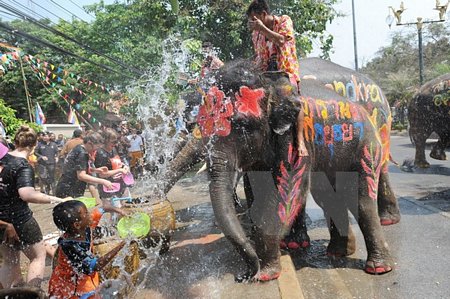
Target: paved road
419, 243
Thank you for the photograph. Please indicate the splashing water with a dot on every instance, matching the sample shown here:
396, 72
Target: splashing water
159, 115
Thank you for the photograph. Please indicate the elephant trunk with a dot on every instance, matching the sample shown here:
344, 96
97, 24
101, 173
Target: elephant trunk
221, 190
190, 154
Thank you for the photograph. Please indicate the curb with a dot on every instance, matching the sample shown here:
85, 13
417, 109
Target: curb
287, 282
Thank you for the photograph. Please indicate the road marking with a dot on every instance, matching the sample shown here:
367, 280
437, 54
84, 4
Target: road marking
338, 282
287, 282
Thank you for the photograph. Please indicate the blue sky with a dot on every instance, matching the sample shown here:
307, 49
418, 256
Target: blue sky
371, 28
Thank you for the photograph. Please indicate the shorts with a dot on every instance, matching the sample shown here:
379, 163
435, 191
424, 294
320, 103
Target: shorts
29, 233
135, 157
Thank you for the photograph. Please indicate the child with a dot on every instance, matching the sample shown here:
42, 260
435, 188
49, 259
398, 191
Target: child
76, 272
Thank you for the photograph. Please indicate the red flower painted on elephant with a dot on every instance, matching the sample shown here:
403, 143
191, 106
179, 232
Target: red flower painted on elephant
214, 115
289, 187
371, 164
247, 101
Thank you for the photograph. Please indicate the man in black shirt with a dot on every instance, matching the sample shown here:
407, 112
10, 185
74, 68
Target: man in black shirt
47, 157
76, 168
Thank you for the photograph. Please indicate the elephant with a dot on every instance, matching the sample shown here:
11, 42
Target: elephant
348, 83
248, 125
428, 112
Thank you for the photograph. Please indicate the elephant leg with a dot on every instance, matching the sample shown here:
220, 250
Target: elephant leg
269, 254
378, 257
298, 234
342, 238
438, 151
420, 139
388, 209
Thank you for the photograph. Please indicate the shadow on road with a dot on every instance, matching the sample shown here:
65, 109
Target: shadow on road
316, 257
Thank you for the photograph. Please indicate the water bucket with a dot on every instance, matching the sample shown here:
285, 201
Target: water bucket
131, 261
136, 225
89, 202
162, 217
128, 179
23, 293
115, 188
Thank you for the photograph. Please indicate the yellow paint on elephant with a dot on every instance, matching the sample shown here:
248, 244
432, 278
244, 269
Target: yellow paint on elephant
344, 109
339, 87
375, 93
322, 110
308, 128
373, 118
287, 90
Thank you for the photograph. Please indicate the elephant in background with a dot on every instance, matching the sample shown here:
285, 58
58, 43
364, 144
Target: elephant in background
248, 124
428, 112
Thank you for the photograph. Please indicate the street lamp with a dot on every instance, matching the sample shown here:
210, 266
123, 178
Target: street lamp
398, 15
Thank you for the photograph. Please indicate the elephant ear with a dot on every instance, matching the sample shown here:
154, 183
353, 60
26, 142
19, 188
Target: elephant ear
284, 104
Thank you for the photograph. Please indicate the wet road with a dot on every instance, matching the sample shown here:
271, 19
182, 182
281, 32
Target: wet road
201, 263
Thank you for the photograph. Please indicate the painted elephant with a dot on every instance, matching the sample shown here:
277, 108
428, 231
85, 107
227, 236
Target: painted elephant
428, 112
248, 124
349, 84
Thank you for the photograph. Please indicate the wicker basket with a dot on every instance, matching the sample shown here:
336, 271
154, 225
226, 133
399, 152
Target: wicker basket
132, 261
162, 221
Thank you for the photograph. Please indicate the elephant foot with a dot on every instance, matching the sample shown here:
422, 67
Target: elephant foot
389, 220
294, 245
422, 164
438, 155
295, 242
344, 247
270, 272
377, 268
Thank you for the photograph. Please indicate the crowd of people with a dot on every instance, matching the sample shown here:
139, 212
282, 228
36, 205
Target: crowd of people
51, 153
97, 161
65, 169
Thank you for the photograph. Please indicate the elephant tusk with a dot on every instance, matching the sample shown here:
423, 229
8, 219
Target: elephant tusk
203, 168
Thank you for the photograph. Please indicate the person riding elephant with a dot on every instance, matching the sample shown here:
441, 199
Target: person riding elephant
428, 112
248, 120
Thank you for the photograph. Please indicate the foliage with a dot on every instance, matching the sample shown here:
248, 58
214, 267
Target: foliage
130, 34
11, 122
396, 67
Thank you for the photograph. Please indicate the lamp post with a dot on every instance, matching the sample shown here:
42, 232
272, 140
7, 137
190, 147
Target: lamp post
355, 45
397, 14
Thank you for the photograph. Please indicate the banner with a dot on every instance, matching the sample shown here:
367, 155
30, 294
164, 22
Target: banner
39, 116
72, 117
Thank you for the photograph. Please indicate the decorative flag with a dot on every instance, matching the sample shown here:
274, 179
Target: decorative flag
40, 117
72, 117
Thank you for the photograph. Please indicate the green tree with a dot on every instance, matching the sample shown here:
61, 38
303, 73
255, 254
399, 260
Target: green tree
396, 66
131, 35
10, 120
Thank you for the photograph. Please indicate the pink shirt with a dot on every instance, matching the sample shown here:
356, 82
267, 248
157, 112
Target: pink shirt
286, 54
